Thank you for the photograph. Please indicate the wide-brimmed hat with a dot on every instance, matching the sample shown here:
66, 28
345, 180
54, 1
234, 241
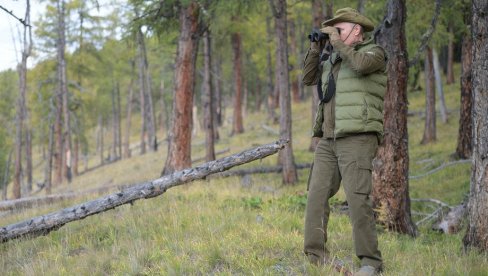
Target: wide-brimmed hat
350, 15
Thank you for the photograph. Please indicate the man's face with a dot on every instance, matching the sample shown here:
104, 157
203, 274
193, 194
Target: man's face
350, 32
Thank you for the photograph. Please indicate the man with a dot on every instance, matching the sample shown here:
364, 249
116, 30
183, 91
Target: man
351, 84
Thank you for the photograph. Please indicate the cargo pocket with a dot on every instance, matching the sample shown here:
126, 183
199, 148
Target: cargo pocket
364, 168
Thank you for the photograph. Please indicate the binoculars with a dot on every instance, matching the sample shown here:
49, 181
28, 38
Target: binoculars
316, 35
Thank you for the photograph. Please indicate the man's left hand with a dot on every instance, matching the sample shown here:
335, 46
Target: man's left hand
333, 34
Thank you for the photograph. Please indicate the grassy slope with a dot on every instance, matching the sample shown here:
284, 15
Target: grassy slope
219, 226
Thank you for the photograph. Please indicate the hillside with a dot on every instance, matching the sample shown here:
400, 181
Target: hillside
242, 226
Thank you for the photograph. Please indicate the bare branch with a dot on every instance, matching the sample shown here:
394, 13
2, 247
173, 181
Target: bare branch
14, 16
445, 165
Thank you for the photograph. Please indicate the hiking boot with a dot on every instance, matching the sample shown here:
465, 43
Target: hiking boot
366, 270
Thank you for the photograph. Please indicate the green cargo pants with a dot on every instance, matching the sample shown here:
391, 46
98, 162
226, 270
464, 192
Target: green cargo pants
348, 159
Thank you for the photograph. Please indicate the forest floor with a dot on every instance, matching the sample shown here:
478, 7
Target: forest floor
251, 225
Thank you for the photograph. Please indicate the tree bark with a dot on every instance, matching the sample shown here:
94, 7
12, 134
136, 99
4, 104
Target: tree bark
390, 174
207, 103
430, 116
287, 159
464, 148
438, 86
179, 146
42, 225
237, 125
477, 231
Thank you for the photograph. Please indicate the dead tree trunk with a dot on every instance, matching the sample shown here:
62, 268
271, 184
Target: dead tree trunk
42, 225
207, 103
438, 86
390, 175
464, 147
237, 125
477, 231
179, 146
278, 7
430, 116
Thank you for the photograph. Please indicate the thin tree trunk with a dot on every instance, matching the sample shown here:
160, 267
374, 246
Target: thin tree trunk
207, 96
293, 50
179, 146
21, 108
100, 138
28, 158
76, 156
127, 152
270, 102
162, 106
66, 150
430, 116
287, 159
464, 147
218, 92
390, 174
237, 125
450, 55
361, 6
142, 89
114, 124
477, 231
438, 87
49, 164
61, 97
6, 176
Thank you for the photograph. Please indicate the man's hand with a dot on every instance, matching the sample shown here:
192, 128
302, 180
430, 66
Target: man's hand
333, 34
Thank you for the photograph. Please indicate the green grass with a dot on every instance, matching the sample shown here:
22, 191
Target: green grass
220, 227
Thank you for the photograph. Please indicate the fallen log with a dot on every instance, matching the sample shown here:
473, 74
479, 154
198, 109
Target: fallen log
259, 170
28, 202
42, 225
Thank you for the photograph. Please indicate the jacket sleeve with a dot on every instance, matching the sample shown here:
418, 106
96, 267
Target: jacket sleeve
364, 63
311, 70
